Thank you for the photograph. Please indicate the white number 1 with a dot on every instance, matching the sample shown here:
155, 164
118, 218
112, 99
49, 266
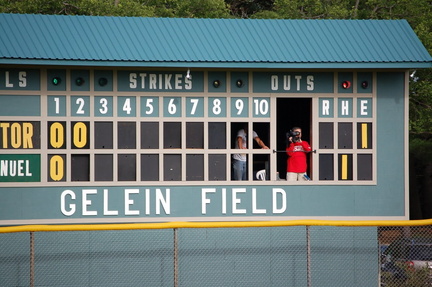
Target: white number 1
57, 105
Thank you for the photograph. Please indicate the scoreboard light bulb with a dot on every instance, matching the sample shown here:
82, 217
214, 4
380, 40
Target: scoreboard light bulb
239, 83
56, 81
103, 82
365, 84
346, 84
79, 81
216, 83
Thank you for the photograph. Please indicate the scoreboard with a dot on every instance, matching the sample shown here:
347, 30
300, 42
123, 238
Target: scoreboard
155, 126
73, 138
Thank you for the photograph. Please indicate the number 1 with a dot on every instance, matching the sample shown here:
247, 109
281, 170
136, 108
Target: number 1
57, 105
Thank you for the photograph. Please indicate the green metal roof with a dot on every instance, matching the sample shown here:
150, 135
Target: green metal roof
236, 43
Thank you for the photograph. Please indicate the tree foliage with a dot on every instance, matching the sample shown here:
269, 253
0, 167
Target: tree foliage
78, 7
248, 8
132, 8
313, 9
189, 8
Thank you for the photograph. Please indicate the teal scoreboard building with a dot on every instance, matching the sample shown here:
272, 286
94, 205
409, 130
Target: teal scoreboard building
134, 119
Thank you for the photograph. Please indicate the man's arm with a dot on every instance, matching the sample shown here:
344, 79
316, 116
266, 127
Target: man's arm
290, 149
306, 146
240, 143
261, 143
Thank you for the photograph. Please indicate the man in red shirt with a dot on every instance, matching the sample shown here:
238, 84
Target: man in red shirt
296, 151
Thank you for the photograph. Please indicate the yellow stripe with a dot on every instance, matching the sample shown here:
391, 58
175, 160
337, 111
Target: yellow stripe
223, 224
364, 135
344, 166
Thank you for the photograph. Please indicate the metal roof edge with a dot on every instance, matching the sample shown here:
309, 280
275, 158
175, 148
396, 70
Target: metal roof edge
266, 65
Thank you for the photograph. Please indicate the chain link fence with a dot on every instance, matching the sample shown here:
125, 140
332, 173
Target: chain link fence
405, 256
303, 255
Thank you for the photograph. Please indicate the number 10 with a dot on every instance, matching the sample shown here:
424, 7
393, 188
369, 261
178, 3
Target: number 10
261, 107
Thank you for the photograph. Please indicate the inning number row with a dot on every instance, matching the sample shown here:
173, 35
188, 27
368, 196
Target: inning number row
103, 106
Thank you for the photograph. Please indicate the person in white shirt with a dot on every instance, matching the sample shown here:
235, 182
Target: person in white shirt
239, 160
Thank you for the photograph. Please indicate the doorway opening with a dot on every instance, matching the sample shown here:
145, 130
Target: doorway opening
292, 112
